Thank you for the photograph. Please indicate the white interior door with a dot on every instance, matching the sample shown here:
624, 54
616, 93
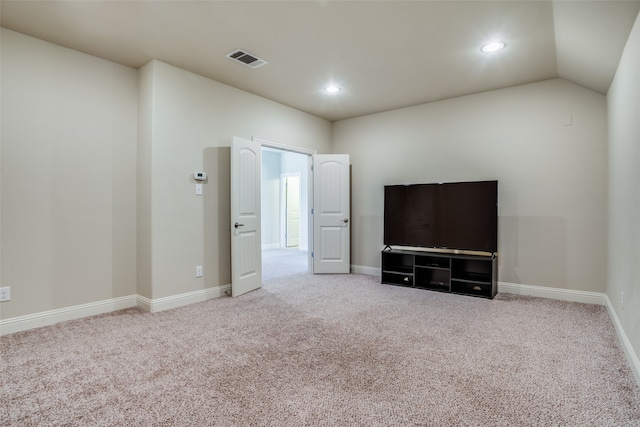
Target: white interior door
246, 257
331, 216
292, 210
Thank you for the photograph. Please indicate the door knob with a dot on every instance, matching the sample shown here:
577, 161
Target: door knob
346, 220
236, 225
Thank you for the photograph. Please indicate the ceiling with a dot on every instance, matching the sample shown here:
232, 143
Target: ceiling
384, 54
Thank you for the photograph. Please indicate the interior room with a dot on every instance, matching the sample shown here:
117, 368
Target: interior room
285, 207
109, 109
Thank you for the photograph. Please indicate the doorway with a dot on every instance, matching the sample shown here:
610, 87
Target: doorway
285, 213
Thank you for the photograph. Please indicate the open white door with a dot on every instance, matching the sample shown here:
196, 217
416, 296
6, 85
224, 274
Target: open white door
331, 195
246, 258
292, 210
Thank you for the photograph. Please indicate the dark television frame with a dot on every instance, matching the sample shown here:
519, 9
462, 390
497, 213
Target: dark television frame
453, 215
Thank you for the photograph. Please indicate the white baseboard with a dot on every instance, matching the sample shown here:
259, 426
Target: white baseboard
553, 293
51, 317
363, 269
46, 318
175, 301
632, 357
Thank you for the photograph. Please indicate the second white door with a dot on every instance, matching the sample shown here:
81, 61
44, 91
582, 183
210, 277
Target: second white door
331, 214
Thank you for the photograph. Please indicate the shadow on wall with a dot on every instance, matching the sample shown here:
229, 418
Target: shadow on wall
540, 240
368, 229
217, 216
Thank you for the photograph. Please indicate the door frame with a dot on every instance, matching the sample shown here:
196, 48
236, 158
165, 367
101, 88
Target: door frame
308, 152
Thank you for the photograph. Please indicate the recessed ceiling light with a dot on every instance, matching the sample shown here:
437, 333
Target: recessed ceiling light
332, 89
493, 46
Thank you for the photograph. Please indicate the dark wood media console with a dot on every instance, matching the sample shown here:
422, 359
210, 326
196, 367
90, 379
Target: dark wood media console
474, 275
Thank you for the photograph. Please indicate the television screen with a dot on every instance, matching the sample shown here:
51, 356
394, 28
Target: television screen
459, 215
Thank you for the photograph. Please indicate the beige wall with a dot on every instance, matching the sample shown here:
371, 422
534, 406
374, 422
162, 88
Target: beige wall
111, 209
624, 191
552, 178
68, 177
192, 126
143, 175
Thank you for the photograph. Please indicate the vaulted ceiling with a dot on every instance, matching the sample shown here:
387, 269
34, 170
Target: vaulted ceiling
383, 54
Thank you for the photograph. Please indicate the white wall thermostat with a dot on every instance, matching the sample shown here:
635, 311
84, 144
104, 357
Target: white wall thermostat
199, 176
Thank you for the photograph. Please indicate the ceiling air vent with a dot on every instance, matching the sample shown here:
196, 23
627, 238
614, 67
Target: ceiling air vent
246, 58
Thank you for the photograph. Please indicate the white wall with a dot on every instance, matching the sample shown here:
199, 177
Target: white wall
68, 177
193, 122
623, 101
271, 170
552, 177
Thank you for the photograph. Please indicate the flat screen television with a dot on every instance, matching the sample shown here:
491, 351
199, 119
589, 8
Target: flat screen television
457, 215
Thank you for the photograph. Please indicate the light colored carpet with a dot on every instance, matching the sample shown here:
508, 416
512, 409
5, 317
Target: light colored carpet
325, 351
278, 263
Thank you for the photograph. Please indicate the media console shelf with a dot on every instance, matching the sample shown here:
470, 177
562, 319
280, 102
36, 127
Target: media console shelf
474, 275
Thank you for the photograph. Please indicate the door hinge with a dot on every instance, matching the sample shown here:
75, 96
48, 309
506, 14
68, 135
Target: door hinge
311, 211
311, 168
311, 254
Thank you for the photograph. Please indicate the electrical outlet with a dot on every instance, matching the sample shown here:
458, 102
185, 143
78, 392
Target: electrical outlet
199, 271
622, 300
5, 294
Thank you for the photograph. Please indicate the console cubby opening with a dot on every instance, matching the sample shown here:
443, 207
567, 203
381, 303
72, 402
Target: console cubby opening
398, 262
471, 288
398, 279
472, 270
431, 278
433, 261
